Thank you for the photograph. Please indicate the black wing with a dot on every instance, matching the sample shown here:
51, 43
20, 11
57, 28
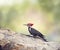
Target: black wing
35, 32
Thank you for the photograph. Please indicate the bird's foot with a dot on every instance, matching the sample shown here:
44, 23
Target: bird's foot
34, 36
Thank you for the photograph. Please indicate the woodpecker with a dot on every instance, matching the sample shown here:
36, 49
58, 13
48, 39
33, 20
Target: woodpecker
35, 32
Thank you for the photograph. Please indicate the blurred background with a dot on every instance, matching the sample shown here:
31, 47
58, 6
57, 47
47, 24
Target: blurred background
44, 14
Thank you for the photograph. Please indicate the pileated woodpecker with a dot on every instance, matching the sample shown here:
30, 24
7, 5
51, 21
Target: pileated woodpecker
34, 32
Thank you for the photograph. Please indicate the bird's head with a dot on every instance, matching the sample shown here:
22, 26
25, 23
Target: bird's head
29, 24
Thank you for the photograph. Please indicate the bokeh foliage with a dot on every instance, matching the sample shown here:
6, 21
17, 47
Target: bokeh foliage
11, 14
52, 6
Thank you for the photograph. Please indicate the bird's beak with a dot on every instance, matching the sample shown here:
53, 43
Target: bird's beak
25, 24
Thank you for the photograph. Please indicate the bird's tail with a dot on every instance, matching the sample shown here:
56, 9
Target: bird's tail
44, 40
42, 37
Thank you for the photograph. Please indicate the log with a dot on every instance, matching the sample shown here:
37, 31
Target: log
10, 40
